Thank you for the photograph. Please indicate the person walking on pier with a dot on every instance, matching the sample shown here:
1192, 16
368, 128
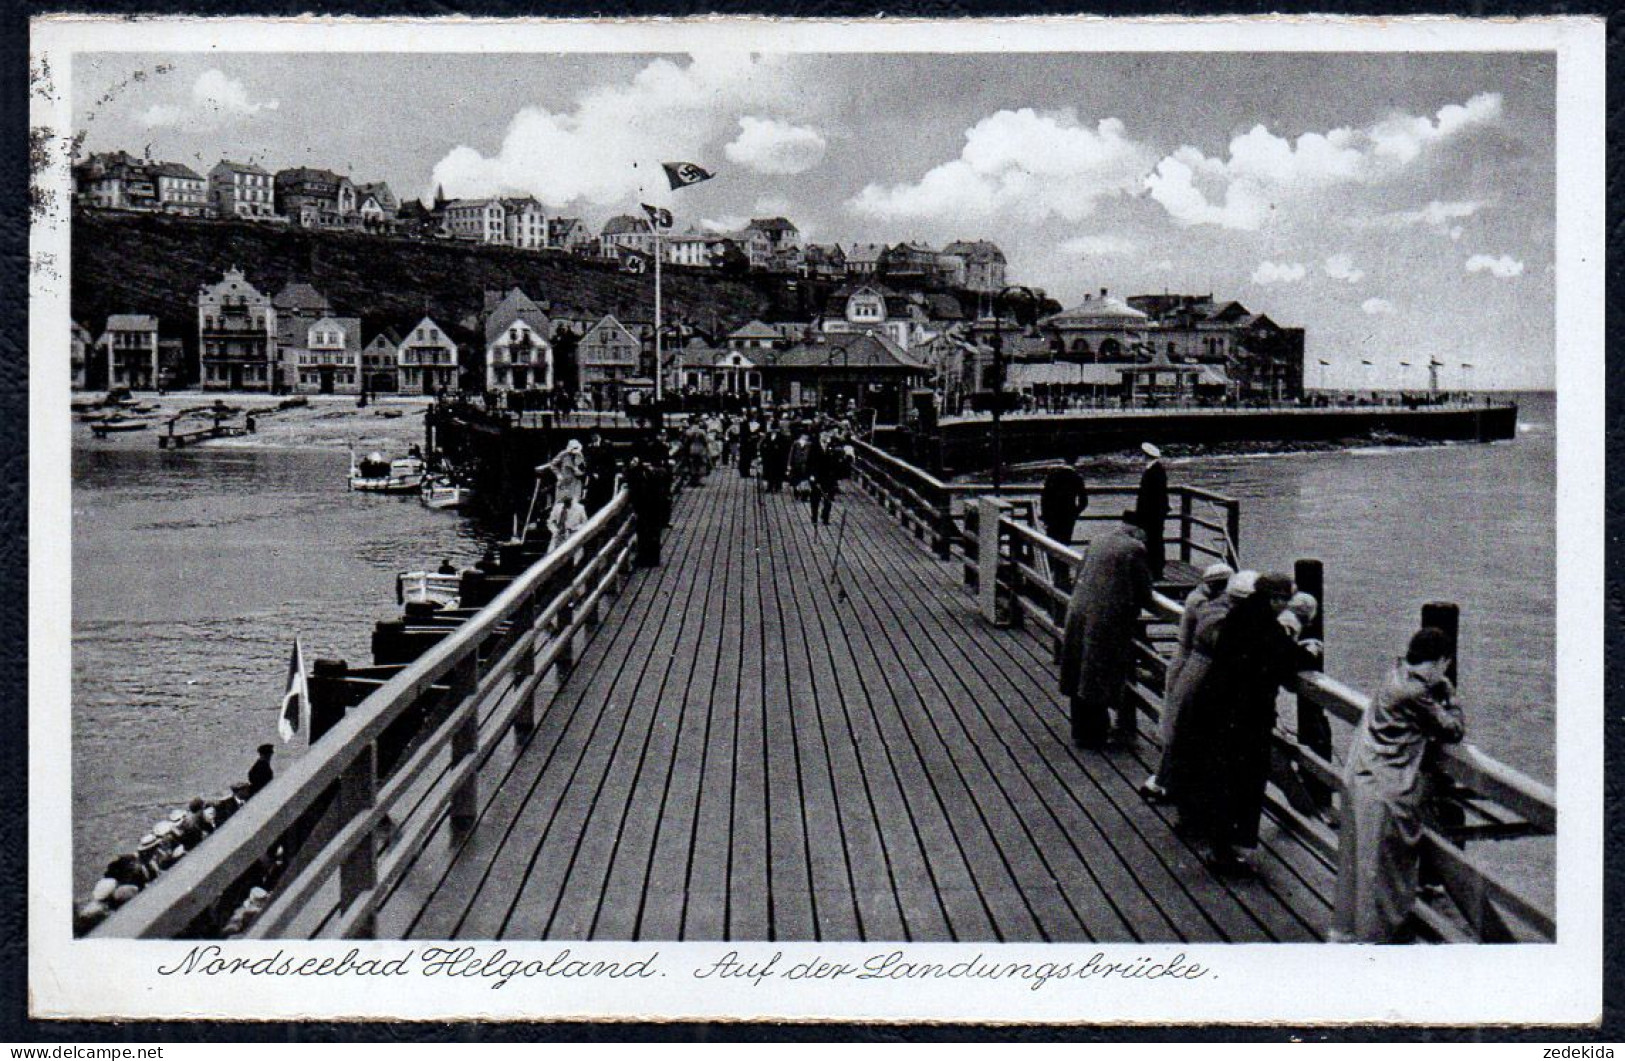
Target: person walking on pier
750, 438
644, 487
1152, 504
775, 458
600, 467
824, 471
1219, 784
1385, 784
1097, 648
1064, 497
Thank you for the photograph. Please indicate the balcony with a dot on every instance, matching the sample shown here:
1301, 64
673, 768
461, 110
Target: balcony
234, 326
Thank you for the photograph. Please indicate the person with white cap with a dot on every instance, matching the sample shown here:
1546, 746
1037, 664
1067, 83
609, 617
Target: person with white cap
569, 470
1205, 599
1151, 502
1097, 645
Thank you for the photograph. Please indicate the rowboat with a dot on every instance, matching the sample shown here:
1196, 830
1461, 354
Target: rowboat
110, 424
374, 474
440, 492
428, 586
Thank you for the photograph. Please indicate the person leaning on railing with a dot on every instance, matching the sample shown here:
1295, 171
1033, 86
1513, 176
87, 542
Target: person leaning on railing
1384, 786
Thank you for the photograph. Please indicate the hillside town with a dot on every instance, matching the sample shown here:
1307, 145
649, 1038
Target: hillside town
899, 318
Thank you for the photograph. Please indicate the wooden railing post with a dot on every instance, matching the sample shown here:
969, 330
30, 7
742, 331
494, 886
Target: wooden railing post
358, 788
1232, 530
465, 678
943, 543
1185, 526
989, 586
524, 623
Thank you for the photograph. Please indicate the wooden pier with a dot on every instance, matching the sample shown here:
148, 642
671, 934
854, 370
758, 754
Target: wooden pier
786, 732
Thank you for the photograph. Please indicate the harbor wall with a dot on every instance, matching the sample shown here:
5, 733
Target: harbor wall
961, 446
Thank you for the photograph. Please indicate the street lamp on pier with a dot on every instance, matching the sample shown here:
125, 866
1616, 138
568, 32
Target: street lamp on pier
1032, 299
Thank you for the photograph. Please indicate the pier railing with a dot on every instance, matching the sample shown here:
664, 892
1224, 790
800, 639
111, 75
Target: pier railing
1205, 526
1018, 574
339, 828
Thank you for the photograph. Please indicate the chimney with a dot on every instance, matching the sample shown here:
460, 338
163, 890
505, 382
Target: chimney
1102, 292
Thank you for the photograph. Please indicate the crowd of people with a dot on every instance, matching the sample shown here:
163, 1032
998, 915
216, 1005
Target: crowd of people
169, 841
1243, 638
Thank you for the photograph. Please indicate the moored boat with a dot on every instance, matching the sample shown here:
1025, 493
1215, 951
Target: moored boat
375, 474
433, 587
442, 492
110, 424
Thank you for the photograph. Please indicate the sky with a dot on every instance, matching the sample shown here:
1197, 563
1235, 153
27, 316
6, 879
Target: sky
1399, 207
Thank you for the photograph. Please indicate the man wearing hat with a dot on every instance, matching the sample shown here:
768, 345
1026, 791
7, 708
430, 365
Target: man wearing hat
1152, 504
1097, 648
1064, 497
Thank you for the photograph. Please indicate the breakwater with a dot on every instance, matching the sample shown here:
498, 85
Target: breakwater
966, 445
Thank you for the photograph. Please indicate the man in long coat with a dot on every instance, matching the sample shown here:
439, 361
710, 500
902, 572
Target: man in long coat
1097, 649
1384, 787
1151, 502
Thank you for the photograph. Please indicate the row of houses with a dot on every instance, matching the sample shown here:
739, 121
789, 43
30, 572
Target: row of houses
310, 197
303, 195
1149, 347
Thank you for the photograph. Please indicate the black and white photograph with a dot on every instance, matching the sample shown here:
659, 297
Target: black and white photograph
752, 518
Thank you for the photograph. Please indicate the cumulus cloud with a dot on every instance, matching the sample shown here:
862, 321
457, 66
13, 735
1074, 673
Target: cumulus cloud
1098, 246
214, 98
609, 146
730, 223
1341, 267
1378, 307
1279, 272
767, 145
1263, 172
1505, 266
1025, 163
1441, 217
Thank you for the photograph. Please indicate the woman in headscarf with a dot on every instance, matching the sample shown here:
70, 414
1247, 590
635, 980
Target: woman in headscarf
1229, 721
1207, 599
570, 470
1384, 785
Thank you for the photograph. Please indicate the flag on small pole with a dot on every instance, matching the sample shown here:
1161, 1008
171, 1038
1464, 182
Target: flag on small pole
659, 217
682, 174
294, 717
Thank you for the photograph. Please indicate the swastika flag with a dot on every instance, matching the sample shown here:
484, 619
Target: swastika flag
682, 174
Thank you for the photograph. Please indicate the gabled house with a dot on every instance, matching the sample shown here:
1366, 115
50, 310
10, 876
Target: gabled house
316, 198
755, 336
429, 359
237, 335
863, 259
129, 348
298, 305
606, 357
875, 309
330, 360
517, 352
570, 235
380, 363
823, 261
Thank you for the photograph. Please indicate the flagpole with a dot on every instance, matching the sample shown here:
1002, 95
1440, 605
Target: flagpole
660, 364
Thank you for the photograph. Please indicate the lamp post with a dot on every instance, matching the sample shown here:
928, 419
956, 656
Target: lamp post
1032, 298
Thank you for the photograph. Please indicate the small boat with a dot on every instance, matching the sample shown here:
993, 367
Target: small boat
441, 492
374, 474
110, 424
428, 586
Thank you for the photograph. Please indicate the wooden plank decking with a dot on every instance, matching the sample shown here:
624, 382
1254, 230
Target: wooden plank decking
746, 753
